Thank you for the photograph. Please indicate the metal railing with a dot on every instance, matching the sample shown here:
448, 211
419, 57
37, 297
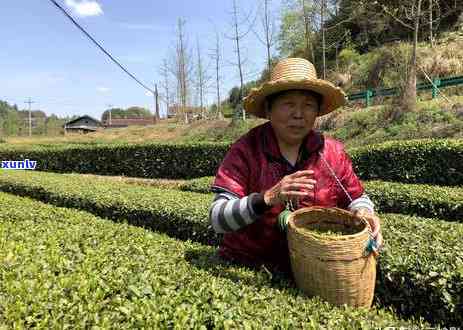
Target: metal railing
436, 84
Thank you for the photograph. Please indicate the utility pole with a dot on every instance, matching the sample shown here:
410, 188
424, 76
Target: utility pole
30, 116
156, 102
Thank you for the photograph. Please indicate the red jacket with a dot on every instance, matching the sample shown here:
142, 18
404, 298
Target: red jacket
254, 164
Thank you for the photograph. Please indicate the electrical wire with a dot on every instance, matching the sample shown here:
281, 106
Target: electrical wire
101, 47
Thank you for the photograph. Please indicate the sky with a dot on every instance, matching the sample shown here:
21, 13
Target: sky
45, 57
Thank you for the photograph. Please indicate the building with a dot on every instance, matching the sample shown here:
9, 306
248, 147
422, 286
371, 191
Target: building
192, 112
125, 122
82, 124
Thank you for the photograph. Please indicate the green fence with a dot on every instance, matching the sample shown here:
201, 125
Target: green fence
436, 84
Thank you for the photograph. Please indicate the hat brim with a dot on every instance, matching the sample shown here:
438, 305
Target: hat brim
333, 97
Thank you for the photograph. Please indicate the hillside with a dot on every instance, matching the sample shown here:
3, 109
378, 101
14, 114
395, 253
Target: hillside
353, 125
383, 67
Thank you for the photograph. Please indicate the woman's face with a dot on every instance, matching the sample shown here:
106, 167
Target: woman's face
293, 115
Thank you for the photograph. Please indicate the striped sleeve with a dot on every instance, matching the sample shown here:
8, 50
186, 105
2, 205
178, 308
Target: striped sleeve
362, 202
229, 213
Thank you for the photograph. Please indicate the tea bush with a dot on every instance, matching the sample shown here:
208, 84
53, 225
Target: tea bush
414, 199
419, 273
170, 161
432, 161
62, 268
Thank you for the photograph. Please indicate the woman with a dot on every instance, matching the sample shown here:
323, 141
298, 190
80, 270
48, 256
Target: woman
283, 160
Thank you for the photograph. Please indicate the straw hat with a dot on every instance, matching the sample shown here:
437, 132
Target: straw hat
294, 73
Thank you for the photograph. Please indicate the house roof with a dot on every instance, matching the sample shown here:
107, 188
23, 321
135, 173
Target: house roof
80, 118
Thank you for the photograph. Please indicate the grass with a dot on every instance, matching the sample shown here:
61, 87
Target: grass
166, 131
357, 127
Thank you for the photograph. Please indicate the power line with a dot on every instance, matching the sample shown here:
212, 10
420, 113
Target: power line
100, 47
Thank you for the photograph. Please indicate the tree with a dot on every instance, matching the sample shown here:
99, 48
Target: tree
369, 26
9, 119
322, 28
408, 15
182, 68
164, 71
296, 30
308, 15
202, 78
54, 125
237, 38
217, 57
309, 30
268, 33
234, 97
131, 112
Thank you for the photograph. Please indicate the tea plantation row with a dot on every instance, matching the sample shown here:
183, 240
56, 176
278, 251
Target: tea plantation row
63, 268
416, 161
414, 199
420, 272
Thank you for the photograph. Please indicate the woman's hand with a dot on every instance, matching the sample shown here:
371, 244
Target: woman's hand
291, 187
374, 221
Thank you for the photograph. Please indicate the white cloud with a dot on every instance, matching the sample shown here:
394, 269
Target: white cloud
85, 8
149, 94
103, 89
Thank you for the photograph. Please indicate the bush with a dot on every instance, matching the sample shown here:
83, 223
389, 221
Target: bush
169, 161
419, 161
413, 199
65, 268
182, 214
428, 161
424, 263
420, 272
198, 185
417, 199
385, 66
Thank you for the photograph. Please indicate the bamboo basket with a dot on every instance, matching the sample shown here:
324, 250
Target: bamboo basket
336, 268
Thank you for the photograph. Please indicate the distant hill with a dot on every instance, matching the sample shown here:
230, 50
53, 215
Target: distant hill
16, 122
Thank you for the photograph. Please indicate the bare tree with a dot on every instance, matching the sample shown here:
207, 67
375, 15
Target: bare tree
202, 78
322, 27
267, 38
408, 15
308, 18
237, 37
183, 69
313, 12
217, 57
435, 16
431, 41
321, 18
165, 84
